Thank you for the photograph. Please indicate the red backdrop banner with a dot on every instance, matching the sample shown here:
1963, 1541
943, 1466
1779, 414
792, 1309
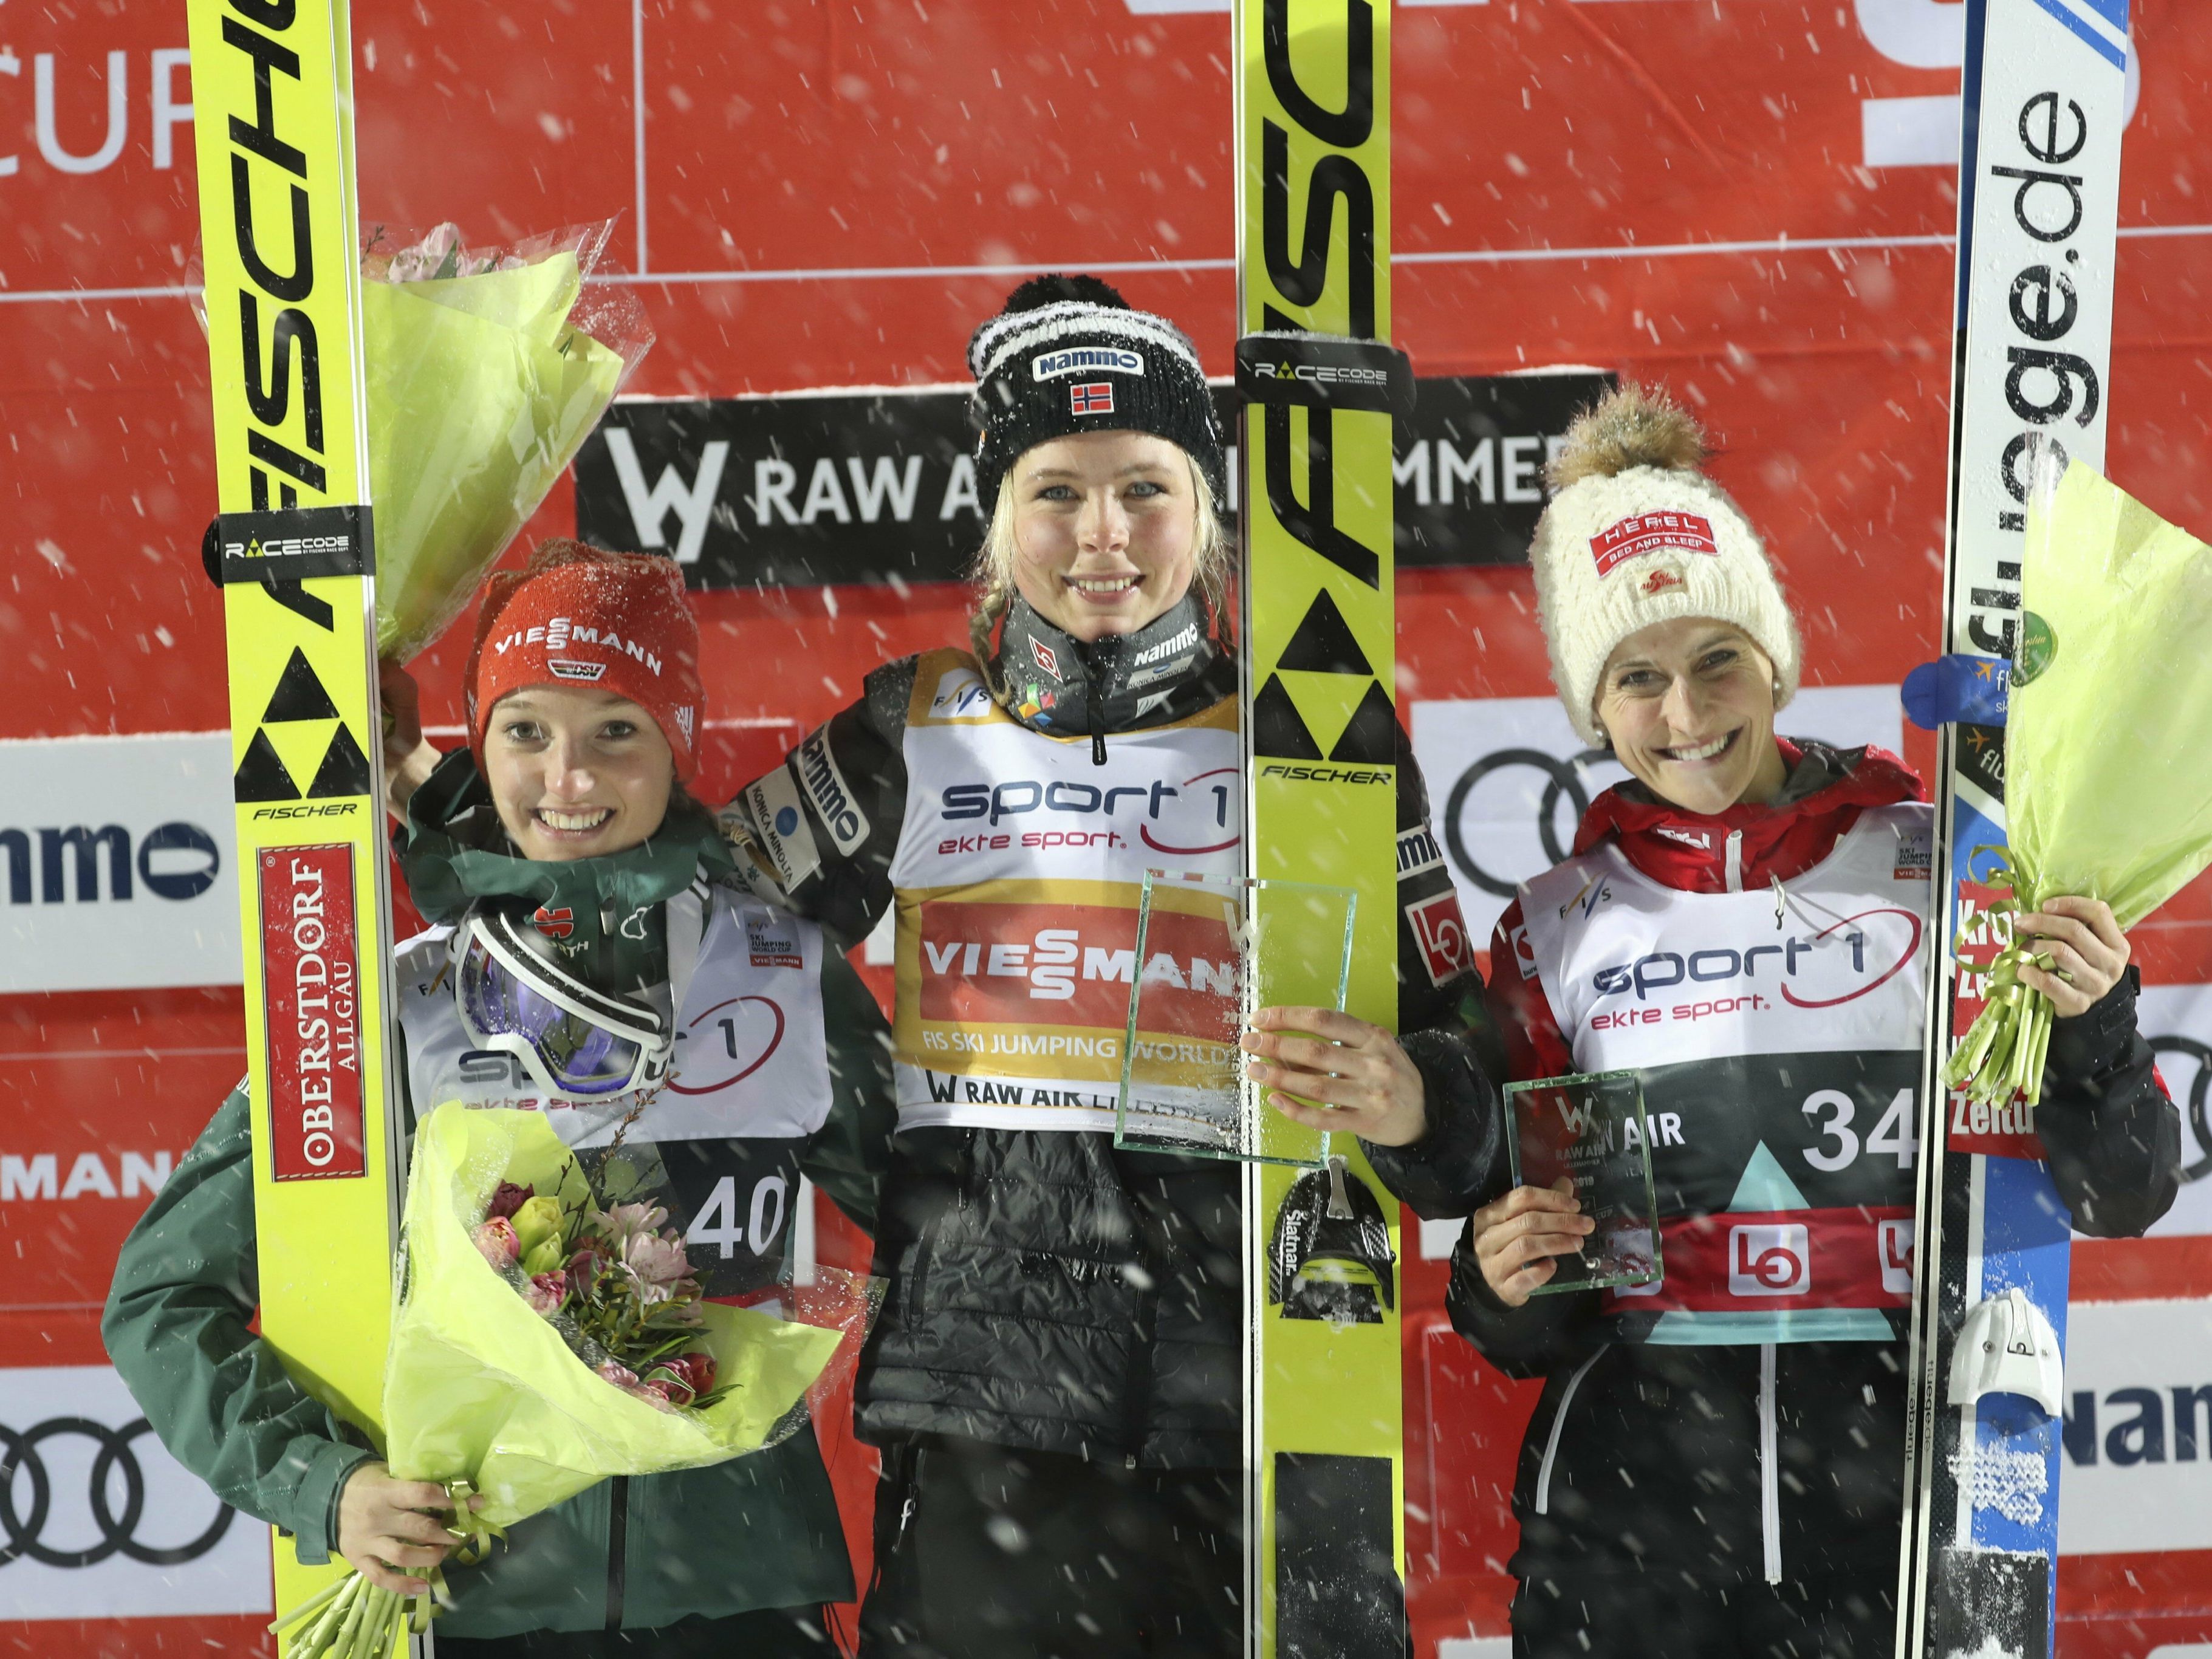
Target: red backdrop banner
1752, 200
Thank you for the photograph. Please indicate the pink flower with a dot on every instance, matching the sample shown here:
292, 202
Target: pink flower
619, 1374
622, 1221
507, 1200
655, 1260
496, 1239
661, 1396
545, 1292
585, 1264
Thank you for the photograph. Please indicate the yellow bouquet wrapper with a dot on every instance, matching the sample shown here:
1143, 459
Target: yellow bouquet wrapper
479, 1388
481, 389
2107, 792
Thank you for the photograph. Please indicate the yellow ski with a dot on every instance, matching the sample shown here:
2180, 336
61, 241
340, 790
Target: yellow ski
273, 125
1324, 1430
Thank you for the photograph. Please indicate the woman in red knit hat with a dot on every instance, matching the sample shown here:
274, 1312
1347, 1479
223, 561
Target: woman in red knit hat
587, 930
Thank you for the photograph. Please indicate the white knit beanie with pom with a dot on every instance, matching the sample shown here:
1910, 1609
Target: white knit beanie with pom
1636, 534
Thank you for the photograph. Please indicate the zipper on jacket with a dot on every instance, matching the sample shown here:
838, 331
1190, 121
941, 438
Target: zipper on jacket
967, 1169
1559, 1423
1735, 861
1769, 1481
1097, 746
618, 1547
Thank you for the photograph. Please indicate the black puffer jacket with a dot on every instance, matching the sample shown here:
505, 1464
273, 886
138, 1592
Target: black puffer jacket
1047, 1290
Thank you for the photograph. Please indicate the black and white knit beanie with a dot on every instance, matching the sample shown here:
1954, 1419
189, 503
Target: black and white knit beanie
1069, 355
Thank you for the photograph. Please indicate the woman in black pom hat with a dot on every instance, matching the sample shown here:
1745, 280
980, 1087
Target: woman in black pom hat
1054, 1379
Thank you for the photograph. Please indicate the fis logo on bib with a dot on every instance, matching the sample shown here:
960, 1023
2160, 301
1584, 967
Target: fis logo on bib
1086, 360
961, 695
771, 941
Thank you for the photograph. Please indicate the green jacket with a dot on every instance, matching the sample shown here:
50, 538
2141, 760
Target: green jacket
758, 1531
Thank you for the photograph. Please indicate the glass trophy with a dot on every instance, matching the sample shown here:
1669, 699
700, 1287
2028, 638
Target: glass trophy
1212, 951
1591, 1130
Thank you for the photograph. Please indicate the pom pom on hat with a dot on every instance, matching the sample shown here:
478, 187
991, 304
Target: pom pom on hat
1632, 427
1079, 286
1638, 534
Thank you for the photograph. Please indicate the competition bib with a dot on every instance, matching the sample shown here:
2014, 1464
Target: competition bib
1778, 1036
719, 1142
1020, 864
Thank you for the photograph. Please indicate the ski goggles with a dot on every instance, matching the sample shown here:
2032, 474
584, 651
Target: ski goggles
575, 1041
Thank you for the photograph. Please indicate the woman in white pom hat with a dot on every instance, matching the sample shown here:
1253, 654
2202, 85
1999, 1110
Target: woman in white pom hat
1715, 1465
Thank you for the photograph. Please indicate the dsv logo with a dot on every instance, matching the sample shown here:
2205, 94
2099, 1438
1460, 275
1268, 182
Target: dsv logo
27, 1530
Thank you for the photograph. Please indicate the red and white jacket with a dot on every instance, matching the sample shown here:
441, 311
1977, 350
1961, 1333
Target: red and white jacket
1762, 969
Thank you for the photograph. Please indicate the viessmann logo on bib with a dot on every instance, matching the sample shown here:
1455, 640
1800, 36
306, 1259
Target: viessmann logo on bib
1069, 964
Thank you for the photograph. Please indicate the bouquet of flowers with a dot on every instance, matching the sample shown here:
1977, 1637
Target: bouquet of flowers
542, 1342
486, 369
2107, 793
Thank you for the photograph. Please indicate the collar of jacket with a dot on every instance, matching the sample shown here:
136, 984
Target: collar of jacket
1167, 671
1826, 791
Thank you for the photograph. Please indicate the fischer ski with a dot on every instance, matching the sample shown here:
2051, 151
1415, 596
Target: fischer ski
1325, 1489
273, 127
2043, 106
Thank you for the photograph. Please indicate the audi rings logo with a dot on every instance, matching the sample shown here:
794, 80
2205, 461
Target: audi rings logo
1566, 782
40, 1510
2195, 1109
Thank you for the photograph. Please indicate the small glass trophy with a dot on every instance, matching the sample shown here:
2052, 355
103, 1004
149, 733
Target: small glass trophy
1593, 1131
1212, 951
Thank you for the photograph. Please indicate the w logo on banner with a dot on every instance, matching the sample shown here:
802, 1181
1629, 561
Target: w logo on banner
1095, 397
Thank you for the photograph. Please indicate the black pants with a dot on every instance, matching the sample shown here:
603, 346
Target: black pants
766, 1633
1660, 1614
984, 1552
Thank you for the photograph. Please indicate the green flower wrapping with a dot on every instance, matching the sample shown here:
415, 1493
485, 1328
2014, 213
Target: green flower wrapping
2107, 792
482, 383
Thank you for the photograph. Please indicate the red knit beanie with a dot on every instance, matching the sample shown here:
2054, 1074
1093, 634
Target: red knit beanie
581, 616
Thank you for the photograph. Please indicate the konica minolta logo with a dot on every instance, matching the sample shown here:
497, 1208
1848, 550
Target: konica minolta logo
1086, 360
1182, 641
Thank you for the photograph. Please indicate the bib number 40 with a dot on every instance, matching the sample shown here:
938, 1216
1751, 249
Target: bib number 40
716, 1223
